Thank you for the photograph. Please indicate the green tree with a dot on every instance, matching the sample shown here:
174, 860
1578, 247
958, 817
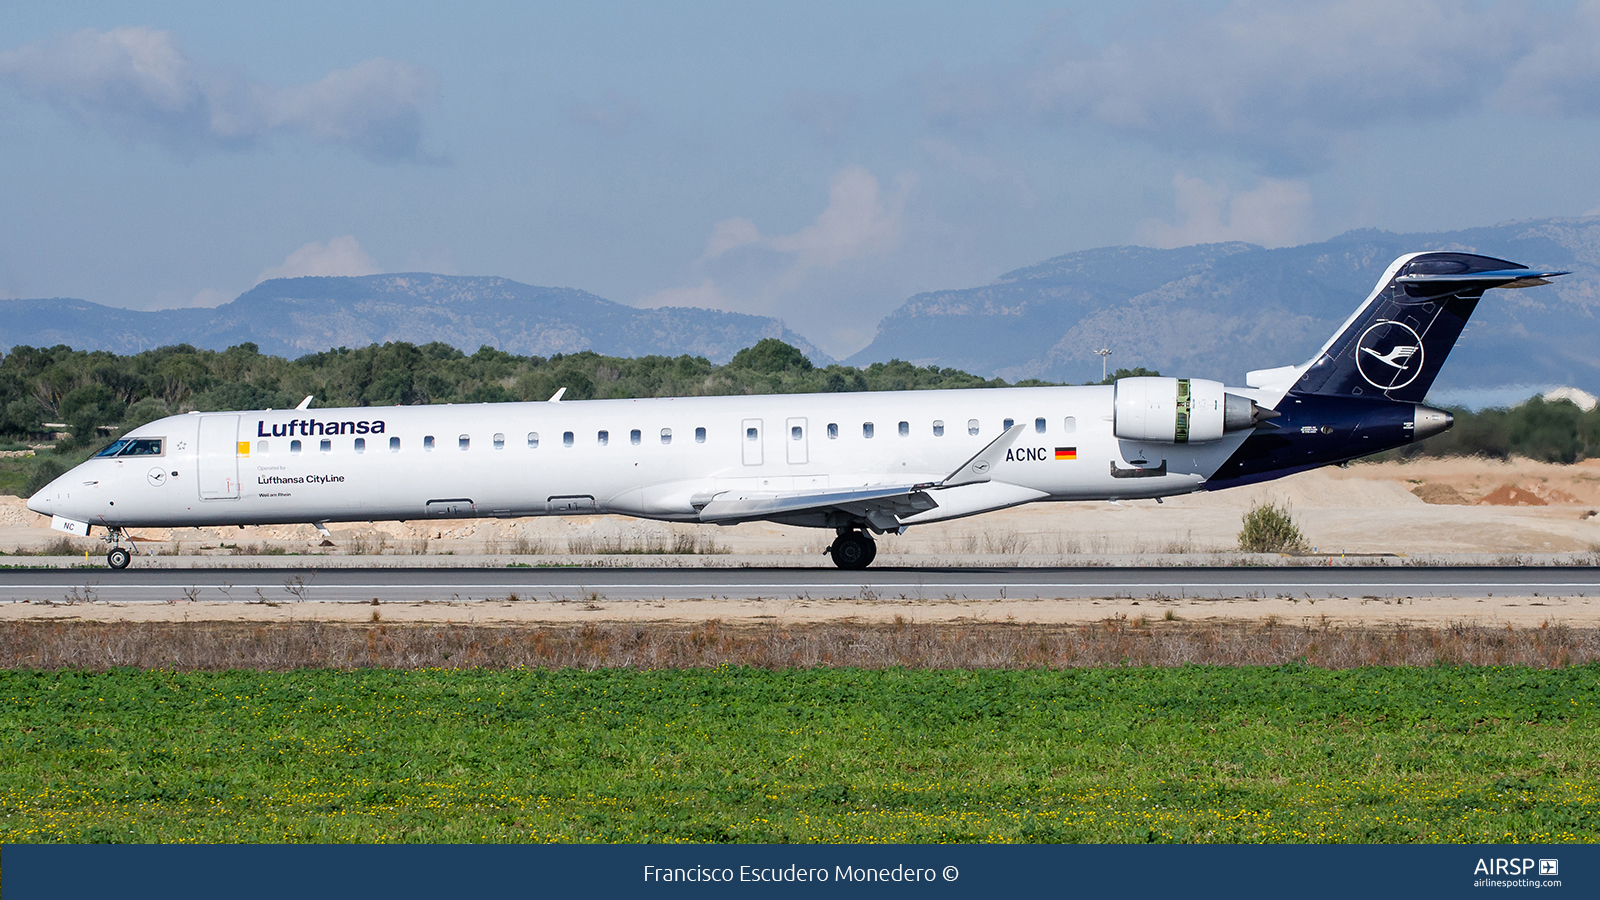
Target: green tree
771, 356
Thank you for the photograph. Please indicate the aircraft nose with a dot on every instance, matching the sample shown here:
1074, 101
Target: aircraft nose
40, 502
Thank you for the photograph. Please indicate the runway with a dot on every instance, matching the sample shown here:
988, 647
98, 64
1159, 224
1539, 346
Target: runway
416, 585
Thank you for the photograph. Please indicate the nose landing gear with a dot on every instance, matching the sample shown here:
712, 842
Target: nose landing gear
119, 556
853, 550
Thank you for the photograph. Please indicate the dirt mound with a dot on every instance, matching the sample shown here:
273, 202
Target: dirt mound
1554, 494
1511, 495
1439, 494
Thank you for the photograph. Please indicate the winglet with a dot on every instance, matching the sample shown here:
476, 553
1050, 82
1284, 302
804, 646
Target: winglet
306, 403
556, 397
978, 469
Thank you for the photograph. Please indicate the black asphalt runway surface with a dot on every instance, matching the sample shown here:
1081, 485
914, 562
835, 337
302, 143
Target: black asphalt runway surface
400, 585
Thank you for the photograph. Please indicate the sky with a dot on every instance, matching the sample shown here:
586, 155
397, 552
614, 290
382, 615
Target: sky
817, 162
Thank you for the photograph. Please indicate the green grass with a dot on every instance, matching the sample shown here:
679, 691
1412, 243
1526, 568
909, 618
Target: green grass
838, 755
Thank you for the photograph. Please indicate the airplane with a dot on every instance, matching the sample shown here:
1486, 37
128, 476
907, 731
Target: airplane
860, 464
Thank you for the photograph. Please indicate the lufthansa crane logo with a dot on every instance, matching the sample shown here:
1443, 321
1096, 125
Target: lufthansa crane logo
1389, 355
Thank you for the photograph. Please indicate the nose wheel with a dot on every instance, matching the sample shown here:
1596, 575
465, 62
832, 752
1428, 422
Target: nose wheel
853, 550
118, 556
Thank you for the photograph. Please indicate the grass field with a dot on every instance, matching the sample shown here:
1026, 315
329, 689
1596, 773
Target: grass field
1186, 753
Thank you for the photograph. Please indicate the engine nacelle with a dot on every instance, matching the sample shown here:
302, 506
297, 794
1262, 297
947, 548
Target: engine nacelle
1181, 410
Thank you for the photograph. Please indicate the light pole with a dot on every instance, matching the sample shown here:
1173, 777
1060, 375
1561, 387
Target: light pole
1103, 353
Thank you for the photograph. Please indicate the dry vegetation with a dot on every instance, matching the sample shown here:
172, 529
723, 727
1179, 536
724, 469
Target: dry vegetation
214, 646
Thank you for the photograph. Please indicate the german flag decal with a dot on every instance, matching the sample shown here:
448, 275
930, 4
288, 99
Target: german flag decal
1066, 453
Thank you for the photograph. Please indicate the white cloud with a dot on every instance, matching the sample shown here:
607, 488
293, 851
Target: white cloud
1283, 84
1561, 76
137, 81
860, 220
1273, 214
788, 275
209, 297
731, 234
339, 256
705, 295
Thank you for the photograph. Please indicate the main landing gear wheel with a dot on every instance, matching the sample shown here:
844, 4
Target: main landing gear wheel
118, 558
853, 550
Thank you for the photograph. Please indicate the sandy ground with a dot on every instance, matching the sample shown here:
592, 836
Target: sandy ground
1360, 509
1517, 511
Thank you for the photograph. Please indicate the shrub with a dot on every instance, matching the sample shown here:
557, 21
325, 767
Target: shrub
1269, 528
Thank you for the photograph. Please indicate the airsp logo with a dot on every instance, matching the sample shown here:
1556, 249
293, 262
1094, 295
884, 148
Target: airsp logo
1389, 355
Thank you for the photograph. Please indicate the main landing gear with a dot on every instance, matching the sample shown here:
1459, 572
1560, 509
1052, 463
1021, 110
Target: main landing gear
119, 556
853, 550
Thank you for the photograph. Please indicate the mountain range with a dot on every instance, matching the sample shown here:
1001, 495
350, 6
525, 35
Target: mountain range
1218, 310
1206, 311
294, 316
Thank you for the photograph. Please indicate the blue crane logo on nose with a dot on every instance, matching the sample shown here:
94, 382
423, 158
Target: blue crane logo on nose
1389, 355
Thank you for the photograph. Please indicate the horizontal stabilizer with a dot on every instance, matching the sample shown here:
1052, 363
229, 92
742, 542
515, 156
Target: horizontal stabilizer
1498, 278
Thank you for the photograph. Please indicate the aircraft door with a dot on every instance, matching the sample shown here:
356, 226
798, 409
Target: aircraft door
750, 441
796, 441
219, 458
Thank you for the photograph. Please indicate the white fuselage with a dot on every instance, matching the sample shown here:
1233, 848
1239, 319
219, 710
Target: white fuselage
652, 458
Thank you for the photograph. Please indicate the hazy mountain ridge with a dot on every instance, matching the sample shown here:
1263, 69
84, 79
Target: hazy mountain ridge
1218, 310
294, 316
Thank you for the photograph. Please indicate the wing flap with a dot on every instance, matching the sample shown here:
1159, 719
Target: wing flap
895, 500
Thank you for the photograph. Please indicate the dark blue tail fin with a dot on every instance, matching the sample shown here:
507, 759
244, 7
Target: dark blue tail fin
1392, 347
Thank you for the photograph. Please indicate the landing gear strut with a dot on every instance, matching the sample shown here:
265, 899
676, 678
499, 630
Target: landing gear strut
853, 550
118, 557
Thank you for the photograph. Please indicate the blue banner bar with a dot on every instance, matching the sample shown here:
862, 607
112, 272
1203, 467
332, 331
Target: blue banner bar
395, 872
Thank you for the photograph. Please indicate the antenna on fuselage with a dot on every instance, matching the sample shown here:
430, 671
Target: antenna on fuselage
556, 397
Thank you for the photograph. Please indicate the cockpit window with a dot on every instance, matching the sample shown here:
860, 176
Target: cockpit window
132, 447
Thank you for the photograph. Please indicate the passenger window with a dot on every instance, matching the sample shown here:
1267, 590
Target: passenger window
294, 447
635, 436
972, 426
699, 435
394, 445
499, 441
1038, 426
1069, 424
261, 447
463, 442
905, 429
533, 440
666, 435
1006, 425
938, 428
866, 429
833, 431
327, 446
566, 439
795, 433
427, 442
750, 434
603, 437
361, 445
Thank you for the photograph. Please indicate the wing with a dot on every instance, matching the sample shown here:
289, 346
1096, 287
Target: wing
881, 506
